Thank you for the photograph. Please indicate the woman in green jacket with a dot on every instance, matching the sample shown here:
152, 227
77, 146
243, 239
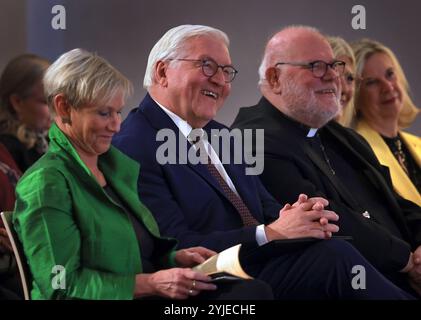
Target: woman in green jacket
84, 231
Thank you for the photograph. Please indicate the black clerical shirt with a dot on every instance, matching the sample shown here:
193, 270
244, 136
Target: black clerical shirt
350, 172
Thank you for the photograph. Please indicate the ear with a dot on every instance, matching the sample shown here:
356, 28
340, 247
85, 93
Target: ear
62, 108
161, 68
273, 79
16, 103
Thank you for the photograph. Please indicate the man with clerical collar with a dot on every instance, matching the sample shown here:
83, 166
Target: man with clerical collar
305, 152
215, 204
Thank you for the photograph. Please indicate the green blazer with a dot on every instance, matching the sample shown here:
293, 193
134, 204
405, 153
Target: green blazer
64, 218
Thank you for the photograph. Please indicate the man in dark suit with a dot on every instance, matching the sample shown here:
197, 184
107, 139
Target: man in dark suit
304, 152
216, 205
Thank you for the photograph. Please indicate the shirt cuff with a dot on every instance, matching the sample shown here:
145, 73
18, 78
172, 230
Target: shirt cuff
261, 235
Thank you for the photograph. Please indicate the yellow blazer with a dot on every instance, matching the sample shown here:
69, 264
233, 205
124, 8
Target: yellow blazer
401, 182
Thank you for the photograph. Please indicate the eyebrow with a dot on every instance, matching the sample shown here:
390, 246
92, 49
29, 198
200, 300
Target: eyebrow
210, 58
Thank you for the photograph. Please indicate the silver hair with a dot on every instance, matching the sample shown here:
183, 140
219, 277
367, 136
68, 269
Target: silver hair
172, 42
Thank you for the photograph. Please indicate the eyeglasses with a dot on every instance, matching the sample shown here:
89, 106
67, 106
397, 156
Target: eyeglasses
210, 68
319, 68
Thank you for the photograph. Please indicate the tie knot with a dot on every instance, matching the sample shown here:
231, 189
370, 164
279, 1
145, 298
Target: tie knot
196, 135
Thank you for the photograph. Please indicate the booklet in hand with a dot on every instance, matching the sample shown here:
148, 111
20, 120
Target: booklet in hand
224, 266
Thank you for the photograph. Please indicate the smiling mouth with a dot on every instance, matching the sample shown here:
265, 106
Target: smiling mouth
210, 94
326, 91
391, 100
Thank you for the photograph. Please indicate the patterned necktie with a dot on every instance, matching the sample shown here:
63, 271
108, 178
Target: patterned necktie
236, 201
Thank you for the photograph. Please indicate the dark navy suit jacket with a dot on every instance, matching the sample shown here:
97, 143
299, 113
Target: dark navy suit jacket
185, 199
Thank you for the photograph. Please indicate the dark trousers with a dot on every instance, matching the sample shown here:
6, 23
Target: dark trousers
232, 290
324, 271
238, 290
10, 286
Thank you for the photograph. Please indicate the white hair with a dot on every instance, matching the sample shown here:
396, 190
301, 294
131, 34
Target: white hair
83, 77
172, 42
270, 54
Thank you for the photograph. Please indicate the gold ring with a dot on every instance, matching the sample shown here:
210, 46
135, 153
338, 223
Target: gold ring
193, 284
190, 292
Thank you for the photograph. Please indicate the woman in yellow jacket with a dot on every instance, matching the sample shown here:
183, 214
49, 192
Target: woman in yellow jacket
383, 108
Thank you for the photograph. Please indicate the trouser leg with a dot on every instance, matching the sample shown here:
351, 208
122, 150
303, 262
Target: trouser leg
325, 271
239, 290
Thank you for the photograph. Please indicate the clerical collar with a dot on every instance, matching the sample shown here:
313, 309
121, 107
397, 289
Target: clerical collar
309, 132
312, 132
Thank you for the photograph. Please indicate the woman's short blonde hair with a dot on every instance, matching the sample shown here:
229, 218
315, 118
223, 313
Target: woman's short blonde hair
364, 49
84, 78
341, 48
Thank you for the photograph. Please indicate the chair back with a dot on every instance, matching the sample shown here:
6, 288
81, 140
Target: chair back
6, 216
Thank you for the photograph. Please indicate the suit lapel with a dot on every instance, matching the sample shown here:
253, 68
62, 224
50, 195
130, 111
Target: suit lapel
322, 165
119, 171
289, 127
203, 172
160, 120
239, 179
235, 173
157, 117
413, 143
371, 172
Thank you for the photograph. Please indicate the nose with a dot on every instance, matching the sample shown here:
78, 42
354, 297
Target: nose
387, 86
218, 77
330, 74
115, 122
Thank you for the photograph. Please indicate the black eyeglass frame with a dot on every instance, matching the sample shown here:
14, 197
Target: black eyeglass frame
310, 65
233, 72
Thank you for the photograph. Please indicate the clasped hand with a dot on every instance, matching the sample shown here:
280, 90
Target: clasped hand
307, 217
413, 269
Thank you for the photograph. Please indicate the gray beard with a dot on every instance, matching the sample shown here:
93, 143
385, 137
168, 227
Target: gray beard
303, 106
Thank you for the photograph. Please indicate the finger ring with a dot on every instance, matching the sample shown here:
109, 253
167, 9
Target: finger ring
190, 292
193, 285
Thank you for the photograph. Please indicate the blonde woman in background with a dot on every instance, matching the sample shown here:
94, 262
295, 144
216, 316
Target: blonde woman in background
24, 115
342, 51
383, 108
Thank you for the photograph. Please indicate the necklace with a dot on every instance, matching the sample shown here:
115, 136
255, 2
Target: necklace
326, 158
400, 155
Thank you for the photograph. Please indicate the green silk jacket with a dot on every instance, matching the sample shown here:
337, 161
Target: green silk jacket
64, 218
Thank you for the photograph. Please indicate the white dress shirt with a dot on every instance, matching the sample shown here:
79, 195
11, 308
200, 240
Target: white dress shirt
185, 129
